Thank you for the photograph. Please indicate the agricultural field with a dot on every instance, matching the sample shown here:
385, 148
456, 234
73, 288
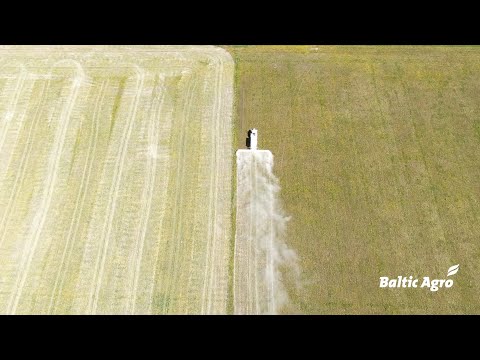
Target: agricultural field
377, 150
121, 191
115, 180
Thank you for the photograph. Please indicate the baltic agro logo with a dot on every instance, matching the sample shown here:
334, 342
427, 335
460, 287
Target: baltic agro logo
410, 282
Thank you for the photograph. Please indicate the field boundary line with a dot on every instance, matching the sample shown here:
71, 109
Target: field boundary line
39, 219
20, 175
113, 194
80, 200
180, 177
9, 113
147, 194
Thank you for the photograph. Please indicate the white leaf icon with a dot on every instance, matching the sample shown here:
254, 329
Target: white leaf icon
452, 270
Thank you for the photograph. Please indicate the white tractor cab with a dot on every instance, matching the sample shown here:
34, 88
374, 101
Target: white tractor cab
252, 139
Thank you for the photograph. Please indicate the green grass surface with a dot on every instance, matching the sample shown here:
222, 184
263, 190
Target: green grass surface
378, 154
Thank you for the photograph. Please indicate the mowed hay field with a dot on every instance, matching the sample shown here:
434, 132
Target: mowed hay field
115, 179
378, 154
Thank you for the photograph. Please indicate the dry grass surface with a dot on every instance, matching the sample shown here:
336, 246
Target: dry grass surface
115, 179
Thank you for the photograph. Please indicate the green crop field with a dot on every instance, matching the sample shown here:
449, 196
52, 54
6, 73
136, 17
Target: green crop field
378, 154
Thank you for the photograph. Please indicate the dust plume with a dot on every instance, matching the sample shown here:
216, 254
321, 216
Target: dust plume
261, 253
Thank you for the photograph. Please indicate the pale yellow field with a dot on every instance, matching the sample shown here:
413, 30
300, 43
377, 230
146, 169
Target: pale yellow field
115, 179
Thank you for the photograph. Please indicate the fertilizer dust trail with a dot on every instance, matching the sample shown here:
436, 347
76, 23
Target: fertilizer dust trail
260, 249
